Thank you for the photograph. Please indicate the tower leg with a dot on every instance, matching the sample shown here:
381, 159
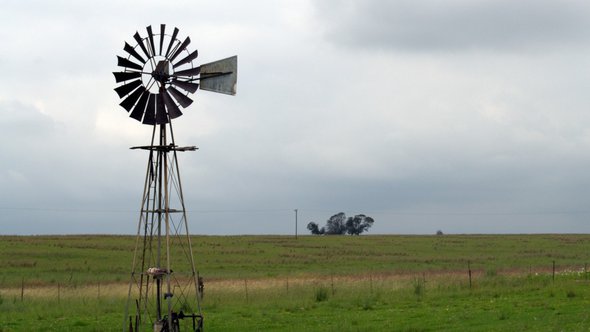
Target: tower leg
163, 268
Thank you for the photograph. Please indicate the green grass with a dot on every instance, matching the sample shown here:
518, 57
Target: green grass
532, 305
497, 303
83, 259
277, 283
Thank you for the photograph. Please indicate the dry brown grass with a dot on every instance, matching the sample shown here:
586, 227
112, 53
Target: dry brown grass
392, 281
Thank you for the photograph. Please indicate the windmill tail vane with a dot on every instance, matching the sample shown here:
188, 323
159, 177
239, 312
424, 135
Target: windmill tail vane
156, 78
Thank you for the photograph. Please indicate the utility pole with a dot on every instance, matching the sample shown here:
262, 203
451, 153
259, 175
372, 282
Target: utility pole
295, 223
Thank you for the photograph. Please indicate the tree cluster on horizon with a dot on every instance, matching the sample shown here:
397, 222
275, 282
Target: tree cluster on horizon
338, 224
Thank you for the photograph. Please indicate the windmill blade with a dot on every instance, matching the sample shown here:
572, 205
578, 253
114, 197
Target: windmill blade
188, 59
183, 100
220, 76
129, 49
124, 89
139, 108
125, 76
151, 40
188, 72
171, 107
122, 62
162, 34
132, 98
181, 48
161, 116
172, 39
187, 86
139, 41
150, 116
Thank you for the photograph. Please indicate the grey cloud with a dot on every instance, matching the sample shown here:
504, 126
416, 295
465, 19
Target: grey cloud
483, 142
454, 25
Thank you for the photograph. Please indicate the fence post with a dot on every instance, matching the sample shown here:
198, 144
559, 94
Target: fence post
469, 272
332, 281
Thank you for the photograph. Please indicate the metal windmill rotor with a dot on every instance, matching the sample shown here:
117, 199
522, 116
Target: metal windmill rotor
157, 78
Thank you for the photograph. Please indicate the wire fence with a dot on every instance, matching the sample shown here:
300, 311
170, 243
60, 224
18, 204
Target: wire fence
468, 278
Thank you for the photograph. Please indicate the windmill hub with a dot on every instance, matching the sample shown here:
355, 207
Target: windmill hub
162, 71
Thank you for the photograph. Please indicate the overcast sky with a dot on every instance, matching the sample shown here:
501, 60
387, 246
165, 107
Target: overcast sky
468, 116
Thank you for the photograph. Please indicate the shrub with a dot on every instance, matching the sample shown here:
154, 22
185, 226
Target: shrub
321, 294
368, 304
418, 287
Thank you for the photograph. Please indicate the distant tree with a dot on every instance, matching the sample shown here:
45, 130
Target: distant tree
315, 229
336, 225
439, 232
358, 224
339, 225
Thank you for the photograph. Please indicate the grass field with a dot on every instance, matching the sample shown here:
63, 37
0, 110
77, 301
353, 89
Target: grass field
366, 283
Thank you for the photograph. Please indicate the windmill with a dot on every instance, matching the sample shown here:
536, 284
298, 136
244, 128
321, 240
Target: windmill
157, 78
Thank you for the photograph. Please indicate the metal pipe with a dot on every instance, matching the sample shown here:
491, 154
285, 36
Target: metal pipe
161, 157
167, 220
